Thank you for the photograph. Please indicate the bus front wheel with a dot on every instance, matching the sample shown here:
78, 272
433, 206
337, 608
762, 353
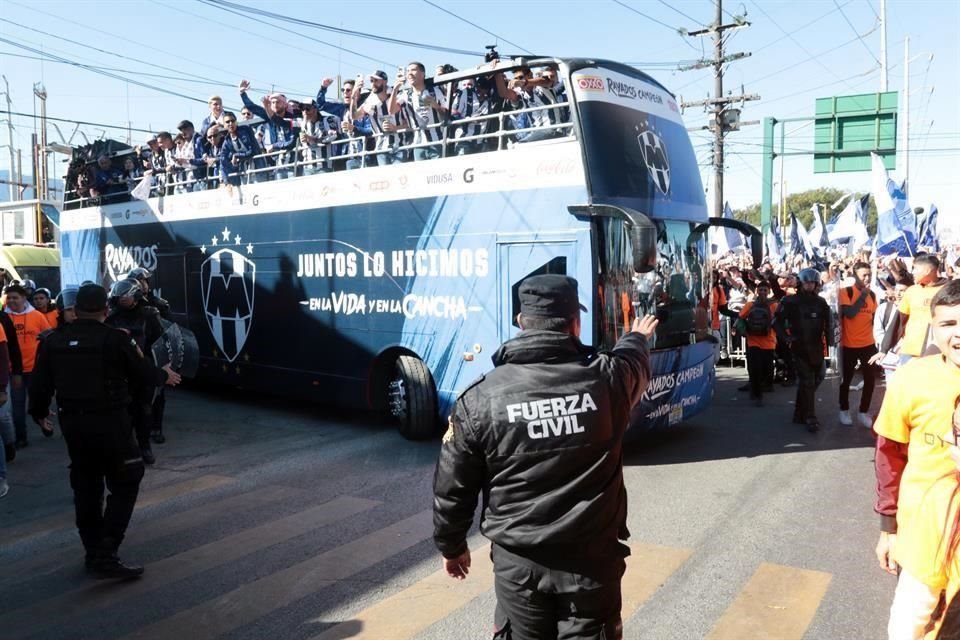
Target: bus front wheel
413, 399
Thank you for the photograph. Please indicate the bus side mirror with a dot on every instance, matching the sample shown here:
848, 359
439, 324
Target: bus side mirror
643, 240
640, 229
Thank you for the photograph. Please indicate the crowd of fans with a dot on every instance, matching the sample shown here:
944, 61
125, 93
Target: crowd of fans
417, 118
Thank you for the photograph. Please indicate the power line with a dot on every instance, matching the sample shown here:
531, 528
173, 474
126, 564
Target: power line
144, 45
687, 16
296, 33
103, 73
81, 122
680, 32
45, 58
808, 59
220, 4
859, 37
473, 24
803, 26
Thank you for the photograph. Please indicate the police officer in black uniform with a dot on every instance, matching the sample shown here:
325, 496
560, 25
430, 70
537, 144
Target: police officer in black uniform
541, 437
804, 322
130, 312
91, 368
143, 275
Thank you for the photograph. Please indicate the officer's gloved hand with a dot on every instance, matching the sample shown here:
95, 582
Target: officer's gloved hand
46, 426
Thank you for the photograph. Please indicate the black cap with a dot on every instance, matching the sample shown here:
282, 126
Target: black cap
91, 298
379, 74
549, 296
184, 124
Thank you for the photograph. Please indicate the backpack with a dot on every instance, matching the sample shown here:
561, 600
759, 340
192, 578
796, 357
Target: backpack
758, 319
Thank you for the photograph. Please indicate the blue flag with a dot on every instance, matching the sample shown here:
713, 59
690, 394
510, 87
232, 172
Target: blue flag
773, 243
928, 230
896, 224
799, 239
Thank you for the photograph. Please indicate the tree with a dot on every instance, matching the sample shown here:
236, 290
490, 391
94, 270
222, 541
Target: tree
800, 204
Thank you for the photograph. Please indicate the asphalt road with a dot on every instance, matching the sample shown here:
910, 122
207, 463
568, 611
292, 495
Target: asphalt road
265, 521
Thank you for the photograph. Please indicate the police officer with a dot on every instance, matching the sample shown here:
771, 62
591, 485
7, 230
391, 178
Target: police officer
130, 312
91, 368
66, 303
805, 323
143, 275
541, 437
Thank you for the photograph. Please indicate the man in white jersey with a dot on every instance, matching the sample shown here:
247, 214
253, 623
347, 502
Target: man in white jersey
524, 93
382, 121
425, 109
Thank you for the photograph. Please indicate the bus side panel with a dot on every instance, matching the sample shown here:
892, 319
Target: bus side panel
681, 386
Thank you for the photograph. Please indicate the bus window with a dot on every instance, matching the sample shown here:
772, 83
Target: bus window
677, 285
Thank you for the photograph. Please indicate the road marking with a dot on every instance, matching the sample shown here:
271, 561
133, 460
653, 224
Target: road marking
405, 614
256, 599
648, 567
140, 532
186, 564
65, 519
777, 603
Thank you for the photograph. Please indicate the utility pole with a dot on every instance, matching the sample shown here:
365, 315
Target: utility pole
42, 180
725, 117
13, 176
906, 115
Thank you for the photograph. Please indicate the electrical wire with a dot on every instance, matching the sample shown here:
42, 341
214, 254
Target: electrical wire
475, 25
46, 58
80, 122
297, 33
220, 4
675, 10
104, 73
859, 37
802, 27
680, 32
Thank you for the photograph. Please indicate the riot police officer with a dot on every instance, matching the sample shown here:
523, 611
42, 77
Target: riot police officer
143, 275
805, 323
130, 312
66, 303
91, 368
541, 437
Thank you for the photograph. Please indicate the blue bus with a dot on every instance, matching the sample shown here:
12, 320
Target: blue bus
390, 287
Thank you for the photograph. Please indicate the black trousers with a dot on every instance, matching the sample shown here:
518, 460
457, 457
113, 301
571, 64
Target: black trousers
851, 358
809, 377
536, 602
103, 452
759, 369
156, 416
785, 356
141, 414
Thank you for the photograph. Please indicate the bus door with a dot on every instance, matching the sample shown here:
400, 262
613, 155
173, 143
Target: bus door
520, 259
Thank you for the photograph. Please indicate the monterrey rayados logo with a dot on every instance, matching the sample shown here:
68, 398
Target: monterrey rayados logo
228, 284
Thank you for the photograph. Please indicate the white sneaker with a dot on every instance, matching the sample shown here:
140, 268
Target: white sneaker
845, 419
857, 387
4, 488
865, 420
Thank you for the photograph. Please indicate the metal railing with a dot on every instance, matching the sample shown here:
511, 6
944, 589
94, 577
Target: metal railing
327, 156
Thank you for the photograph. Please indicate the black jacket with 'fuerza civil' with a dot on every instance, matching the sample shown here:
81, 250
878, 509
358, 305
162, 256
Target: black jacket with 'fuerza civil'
541, 438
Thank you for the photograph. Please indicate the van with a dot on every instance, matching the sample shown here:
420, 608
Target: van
27, 262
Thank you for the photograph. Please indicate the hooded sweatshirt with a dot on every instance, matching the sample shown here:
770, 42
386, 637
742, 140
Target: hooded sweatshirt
29, 324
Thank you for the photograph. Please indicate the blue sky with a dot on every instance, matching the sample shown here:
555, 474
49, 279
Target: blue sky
801, 51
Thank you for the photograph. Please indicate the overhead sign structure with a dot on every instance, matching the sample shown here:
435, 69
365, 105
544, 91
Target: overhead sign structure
850, 128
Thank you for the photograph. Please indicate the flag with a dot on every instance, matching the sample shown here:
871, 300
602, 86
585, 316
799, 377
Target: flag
142, 190
773, 243
928, 235
896, 224
724, 240
818, 234
850, 225
799, 239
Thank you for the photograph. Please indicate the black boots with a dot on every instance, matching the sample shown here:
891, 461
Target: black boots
109, 566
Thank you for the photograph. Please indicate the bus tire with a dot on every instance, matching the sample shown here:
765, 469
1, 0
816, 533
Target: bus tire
413, 399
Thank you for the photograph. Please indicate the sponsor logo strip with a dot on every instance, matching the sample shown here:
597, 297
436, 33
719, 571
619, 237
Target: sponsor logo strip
626, 91
777, 602
192, 562
245, 604
64, 520
551, 165
405, 614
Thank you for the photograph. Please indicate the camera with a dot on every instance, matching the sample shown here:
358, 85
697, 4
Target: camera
491, 53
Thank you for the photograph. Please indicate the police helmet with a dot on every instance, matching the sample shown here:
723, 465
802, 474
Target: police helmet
29, 285
809, 275
67, 299
44, 291
126, 287
140, 273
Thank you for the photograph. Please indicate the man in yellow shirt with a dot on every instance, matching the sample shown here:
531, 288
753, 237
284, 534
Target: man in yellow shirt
918, 408
915, 306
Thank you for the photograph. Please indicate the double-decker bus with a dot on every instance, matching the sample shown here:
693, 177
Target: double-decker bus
390, 287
